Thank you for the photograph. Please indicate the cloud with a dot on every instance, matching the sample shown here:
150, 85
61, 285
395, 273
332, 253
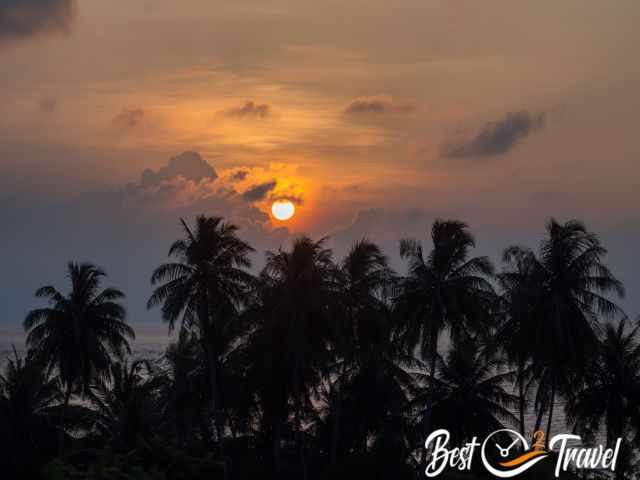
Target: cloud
239, 175
250, 110
189, 165
496, 138
295, 199
127, 230
27, 18
129, 117
47, 105
378, 104
259, 192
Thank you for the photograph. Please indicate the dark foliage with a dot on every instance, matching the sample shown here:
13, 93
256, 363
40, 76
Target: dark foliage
317, 368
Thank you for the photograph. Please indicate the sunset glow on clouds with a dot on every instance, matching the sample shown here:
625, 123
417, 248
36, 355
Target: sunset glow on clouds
372, 121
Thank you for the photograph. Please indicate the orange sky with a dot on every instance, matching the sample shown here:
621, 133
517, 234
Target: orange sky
443, 69
501, 113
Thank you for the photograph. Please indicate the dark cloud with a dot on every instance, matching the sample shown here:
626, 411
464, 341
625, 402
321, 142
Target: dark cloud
259, 192
295, 199
189, 165
250, 110
496, 138
239, 175
47, 105
378, 104
27, 18
129, 117
125, 230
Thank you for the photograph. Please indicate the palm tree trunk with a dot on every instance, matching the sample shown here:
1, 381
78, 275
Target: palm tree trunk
521, 397
213, 383
63, 414
206, 340
212, 361
553, 396
434, 354
541, 411
432, 390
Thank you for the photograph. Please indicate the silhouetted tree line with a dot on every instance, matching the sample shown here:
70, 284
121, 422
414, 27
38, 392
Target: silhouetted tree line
317, 368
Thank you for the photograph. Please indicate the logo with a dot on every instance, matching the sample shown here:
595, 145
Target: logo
507, 466
505, 453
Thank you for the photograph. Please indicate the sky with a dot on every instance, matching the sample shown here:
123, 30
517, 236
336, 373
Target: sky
373, 117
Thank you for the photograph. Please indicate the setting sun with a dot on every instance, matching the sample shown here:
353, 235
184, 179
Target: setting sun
283, 209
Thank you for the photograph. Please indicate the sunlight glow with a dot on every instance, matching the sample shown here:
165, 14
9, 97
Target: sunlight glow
283, 209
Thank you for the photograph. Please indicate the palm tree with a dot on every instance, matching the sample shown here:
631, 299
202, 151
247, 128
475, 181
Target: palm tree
469, 396
295, 313
560, 331
237, 399
369, 395
367, 355
609, 397
365, 282
521, 297
608, 400
205, 288
80, 333
128, 403
445, 290
29, 400
184, 390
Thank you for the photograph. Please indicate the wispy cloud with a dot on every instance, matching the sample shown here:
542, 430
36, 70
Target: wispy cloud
129, 117
378, 104
250, 109
496, 138
259, 192
293, 198
239, 175
27, 18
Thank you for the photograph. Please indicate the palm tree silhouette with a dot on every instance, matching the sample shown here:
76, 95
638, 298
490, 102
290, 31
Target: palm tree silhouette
469, 396
80, 333
608, 399
445, 290
369, 381
323, 368
521, 298
365, 283
184, 389
368, 398
205, 288
128, 403
295, 312
29, 400
365, 278
560, 331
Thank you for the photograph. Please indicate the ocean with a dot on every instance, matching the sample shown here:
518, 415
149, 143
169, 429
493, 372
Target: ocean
150, 342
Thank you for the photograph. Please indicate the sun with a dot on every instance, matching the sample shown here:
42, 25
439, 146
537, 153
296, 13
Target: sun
283, 209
